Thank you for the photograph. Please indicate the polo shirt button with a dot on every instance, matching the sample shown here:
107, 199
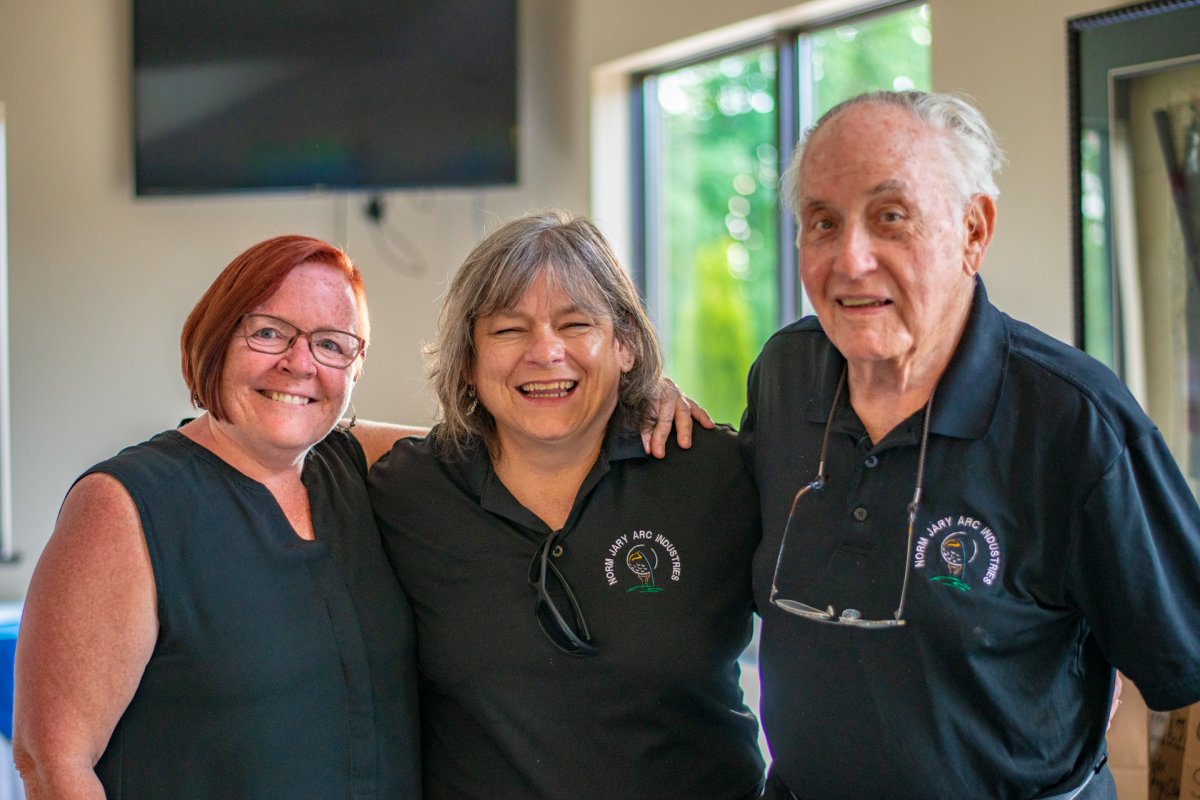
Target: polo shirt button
557, 551
871, 462
860, 513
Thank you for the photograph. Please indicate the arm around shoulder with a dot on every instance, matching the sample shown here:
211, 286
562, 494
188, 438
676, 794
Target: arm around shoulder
87, 632
377, 438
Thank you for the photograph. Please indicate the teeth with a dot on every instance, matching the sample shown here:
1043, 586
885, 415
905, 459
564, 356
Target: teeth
862, 303
548, 388
290, 399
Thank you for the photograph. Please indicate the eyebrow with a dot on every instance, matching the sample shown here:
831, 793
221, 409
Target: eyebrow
572, 308
883, 187
889, 185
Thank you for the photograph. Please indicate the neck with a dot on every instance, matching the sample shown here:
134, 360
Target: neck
546, 478
884, 394
269, 468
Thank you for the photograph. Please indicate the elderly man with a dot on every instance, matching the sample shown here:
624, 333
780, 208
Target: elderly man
968, 524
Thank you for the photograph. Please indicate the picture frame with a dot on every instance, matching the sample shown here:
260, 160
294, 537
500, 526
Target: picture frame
1135, 137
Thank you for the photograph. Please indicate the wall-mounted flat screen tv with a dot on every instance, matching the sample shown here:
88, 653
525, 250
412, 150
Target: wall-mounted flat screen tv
234, 95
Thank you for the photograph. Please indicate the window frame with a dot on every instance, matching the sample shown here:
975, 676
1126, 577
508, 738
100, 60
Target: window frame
794, 114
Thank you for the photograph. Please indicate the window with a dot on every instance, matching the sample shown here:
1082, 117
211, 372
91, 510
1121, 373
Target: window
715, 242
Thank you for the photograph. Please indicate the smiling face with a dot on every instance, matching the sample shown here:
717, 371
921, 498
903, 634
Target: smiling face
280, 405
547, 371
888, 251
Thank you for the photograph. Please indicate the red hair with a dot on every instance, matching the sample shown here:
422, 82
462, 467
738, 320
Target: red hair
247, 282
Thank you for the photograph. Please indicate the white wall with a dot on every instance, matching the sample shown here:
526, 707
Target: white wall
100, 281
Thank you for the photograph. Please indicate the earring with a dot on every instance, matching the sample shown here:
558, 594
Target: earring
353, 417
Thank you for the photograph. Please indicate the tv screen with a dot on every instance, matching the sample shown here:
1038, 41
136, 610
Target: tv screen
345, 94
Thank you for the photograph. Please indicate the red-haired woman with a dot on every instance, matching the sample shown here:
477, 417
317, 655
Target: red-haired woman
214, 616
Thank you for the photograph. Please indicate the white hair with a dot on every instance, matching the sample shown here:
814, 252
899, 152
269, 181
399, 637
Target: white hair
975, 154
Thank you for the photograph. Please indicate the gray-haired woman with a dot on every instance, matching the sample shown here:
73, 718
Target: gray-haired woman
580, 607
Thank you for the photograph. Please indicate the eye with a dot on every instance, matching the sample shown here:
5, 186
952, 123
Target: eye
819, 220
266, 333
331, 344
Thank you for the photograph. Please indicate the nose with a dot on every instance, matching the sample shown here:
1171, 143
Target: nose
545, 346
856, 254
298, 358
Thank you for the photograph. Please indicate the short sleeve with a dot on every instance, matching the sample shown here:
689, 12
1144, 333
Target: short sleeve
1136, 572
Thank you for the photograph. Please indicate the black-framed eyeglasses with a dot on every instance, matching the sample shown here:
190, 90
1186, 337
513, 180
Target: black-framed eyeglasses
265, 333
851, 616
574, 640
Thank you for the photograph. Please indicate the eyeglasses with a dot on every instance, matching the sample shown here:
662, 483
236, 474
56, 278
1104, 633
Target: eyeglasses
851, 616
574, 641
267, 334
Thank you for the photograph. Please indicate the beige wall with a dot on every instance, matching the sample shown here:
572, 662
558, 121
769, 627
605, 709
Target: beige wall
100, 281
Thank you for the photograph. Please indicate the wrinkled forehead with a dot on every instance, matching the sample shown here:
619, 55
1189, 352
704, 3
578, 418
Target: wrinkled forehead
873, 145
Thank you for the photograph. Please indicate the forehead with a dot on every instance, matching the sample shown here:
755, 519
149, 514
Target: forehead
553, 290
314, 294
869, 147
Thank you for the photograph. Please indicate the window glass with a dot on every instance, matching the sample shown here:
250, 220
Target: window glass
714, 287
890, 51
712, 262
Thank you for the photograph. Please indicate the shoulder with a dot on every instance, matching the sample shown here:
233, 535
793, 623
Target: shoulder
148, 463
792, 354
413, 468
377, 438
342, 447
714, 460
409, 452
804, 333
1062, 379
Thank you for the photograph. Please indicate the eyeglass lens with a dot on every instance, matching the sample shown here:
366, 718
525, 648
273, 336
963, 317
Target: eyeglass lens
269, 334
571, 640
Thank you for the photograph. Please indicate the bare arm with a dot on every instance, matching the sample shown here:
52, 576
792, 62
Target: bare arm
674, 408
377, 438
87, 631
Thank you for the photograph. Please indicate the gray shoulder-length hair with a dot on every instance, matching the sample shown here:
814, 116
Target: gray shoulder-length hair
575, 256
975, 155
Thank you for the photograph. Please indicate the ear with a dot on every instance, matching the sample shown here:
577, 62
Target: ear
625, 356
356, 368
979, 221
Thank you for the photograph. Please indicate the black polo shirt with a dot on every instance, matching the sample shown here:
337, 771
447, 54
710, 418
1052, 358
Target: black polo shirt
658, 712
1056, 538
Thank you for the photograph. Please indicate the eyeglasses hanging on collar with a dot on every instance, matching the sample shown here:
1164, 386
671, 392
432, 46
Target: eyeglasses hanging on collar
851, 616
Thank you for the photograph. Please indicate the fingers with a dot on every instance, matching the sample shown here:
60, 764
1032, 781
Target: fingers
700, 415
654, 437
1116, 701
673, 409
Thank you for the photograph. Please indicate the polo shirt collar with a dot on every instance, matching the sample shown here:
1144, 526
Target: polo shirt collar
495, 497
968, 394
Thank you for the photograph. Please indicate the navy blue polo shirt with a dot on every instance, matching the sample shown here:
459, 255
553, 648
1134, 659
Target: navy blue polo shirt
658, 712
1056, 539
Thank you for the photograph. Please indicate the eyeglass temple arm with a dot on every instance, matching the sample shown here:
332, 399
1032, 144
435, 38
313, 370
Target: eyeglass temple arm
916, 501
816, 483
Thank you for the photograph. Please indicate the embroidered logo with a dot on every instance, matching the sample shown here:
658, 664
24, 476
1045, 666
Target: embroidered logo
958, 552
642, 561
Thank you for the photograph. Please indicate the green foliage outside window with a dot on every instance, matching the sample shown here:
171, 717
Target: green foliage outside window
720, 170
714, 279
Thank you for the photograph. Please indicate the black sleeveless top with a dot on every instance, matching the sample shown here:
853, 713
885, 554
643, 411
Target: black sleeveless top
284, 668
